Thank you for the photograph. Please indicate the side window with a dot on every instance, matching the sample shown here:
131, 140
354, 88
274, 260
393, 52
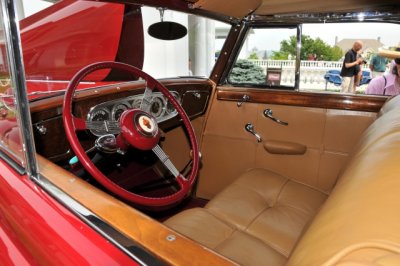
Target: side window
268, 56
324, 47
262, 62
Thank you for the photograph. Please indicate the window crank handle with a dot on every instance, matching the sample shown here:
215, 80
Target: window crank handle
250, 128
268, 113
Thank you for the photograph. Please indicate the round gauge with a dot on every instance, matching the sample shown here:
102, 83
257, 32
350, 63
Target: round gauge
170, 108
136, 104
118, 110
156, 107
99, 115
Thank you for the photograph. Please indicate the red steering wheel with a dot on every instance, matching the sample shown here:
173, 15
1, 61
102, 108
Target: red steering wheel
137, 128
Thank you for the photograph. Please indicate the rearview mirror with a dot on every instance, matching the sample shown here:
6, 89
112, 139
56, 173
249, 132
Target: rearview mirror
167, 30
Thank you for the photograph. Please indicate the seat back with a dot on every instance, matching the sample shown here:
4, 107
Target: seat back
360, 221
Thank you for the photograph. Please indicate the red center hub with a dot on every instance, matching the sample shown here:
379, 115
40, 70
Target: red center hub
139, 129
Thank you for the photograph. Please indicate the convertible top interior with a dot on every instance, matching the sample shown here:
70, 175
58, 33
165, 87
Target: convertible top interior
239, 9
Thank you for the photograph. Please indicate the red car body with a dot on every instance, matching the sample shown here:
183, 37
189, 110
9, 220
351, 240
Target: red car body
35, 229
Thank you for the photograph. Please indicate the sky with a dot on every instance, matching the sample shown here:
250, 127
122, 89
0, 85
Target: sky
389, 34
33, 6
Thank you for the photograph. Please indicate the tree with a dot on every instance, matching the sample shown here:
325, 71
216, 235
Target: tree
245, 71
308, 46
253, 56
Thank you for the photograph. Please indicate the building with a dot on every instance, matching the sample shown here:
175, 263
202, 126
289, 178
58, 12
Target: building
370, 45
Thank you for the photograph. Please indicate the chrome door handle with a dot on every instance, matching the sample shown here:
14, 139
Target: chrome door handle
244, 99
250, 128
268, 113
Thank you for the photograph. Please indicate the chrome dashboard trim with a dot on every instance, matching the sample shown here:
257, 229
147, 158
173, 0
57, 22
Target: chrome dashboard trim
109, 108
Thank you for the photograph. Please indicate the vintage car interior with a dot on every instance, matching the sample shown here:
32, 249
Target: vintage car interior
198, 170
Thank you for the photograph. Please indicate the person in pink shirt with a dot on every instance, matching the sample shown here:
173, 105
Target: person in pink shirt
388, 84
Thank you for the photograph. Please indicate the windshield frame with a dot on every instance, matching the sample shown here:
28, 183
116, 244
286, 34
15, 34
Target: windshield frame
17, 75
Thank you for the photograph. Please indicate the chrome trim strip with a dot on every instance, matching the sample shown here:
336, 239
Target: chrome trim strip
11, 161
298, 59
14, 52
125, 244
109, 108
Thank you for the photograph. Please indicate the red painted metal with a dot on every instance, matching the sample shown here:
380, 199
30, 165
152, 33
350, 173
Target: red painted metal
68, 118
12, 250
36, 229
141, 135
60, 40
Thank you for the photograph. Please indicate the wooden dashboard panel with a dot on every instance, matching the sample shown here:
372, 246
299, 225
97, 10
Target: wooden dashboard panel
47, 113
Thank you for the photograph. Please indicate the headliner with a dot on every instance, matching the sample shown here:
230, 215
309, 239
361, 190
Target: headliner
242, 8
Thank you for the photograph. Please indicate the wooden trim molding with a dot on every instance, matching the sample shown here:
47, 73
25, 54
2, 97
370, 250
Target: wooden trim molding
150, 234
307, 99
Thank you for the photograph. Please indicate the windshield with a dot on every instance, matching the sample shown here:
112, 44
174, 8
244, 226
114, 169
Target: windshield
60, 40
193, 55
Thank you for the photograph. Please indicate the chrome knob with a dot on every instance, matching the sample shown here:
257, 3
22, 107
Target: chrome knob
244, 99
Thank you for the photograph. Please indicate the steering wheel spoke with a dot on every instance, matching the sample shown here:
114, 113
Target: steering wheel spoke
164, 158
146, 101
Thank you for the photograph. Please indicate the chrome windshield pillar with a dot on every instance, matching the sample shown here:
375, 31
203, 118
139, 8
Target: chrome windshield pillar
16, 66
298, 58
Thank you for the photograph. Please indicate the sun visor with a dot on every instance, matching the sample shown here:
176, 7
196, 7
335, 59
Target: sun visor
234, 8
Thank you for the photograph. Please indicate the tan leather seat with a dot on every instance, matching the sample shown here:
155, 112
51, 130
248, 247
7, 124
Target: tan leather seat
260, 218
256, 219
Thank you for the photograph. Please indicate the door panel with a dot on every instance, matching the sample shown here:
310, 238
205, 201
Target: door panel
228, 150
223, 159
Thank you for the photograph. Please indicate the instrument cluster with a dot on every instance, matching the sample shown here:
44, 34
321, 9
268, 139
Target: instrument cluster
159, 107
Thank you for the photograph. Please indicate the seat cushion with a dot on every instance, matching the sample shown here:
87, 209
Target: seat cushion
257, 218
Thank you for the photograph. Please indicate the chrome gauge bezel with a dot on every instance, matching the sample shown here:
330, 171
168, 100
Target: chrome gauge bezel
165, 111
93, 112
160, 104
116, 108
169, 108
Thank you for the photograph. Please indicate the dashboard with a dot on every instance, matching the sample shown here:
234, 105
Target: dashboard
160, 108
107, 103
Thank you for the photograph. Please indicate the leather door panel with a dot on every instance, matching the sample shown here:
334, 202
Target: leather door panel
229, 150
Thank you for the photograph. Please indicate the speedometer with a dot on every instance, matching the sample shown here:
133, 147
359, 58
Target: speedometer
118, 110
99, 115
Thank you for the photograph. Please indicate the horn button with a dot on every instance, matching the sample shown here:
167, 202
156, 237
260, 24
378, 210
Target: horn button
139, 129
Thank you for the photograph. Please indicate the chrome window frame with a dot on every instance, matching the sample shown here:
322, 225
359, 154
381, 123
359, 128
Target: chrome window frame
17, 75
